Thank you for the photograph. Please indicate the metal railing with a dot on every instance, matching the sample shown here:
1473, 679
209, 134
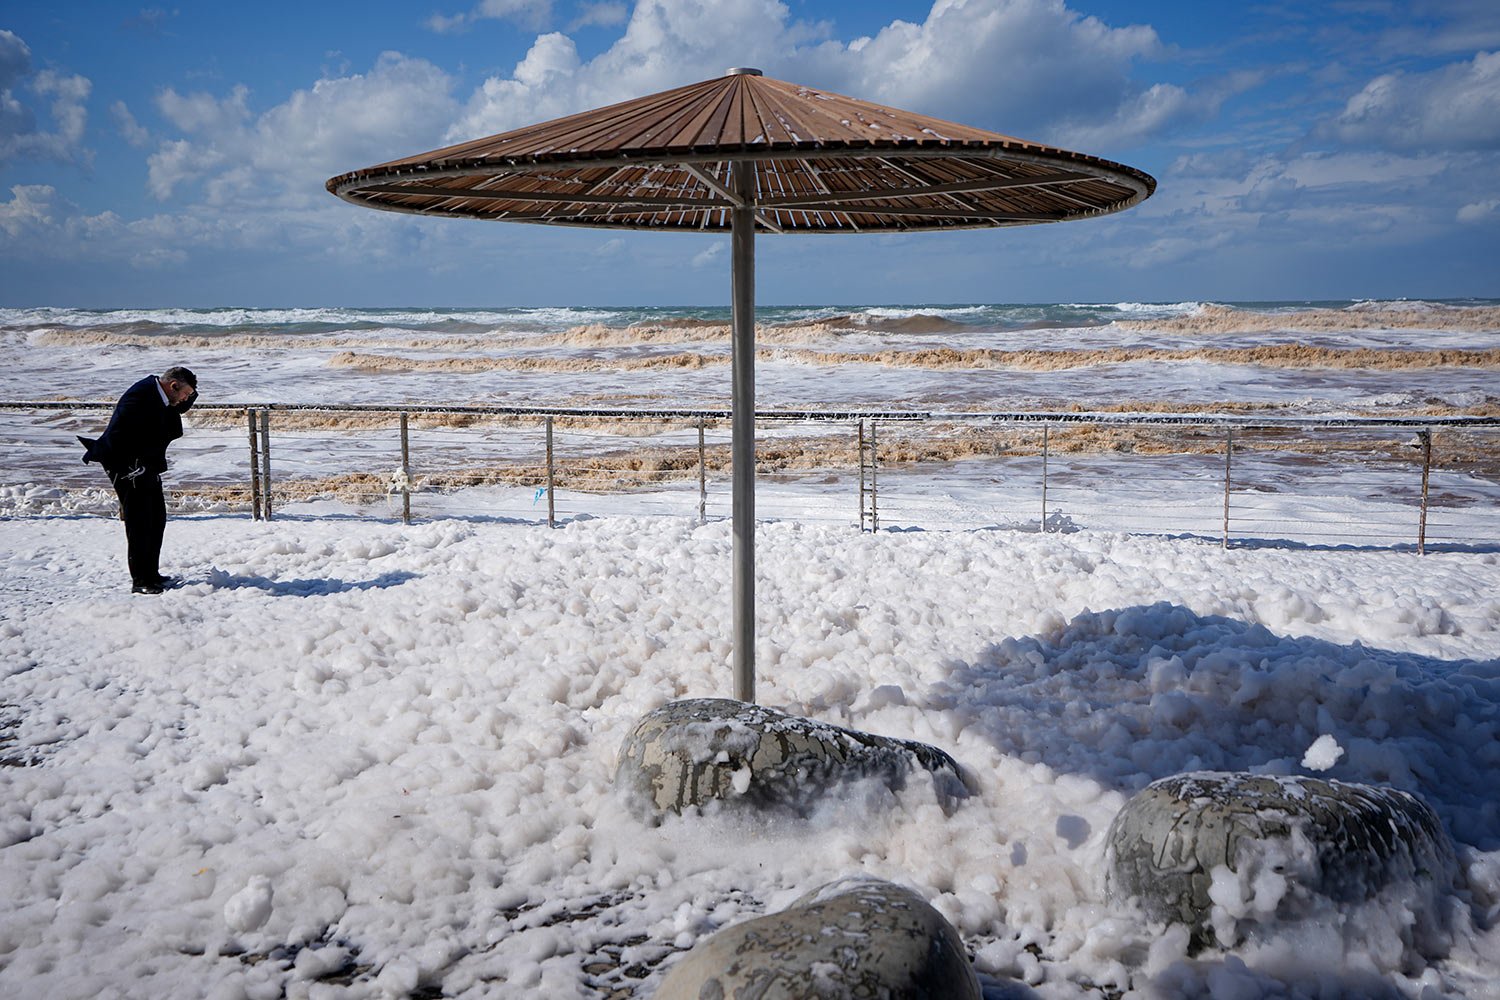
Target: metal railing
1242, 478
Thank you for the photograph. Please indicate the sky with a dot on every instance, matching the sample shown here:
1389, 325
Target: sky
176, 155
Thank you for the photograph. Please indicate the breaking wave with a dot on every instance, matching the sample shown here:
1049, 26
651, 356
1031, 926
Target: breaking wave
250, 339
1270, 355
946, 358
1359, 316
367, 362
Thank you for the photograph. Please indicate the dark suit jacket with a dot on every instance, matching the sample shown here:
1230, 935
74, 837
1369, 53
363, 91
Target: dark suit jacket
138, 433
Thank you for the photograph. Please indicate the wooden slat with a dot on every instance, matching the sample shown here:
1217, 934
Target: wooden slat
691, 130
736, 127
663, 128
558, 197
768, 121
713, 127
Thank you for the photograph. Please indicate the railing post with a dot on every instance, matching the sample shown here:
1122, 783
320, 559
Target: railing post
265, 461
702, 477
1044, 478
254, 467
551, 508
1228, 452
860, 446
405, 473
874, 483
1426, 474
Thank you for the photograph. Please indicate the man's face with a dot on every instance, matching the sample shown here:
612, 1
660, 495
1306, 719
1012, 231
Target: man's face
176, 390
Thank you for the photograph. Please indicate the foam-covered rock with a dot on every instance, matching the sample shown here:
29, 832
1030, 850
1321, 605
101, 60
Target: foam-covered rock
692, 752
1225, 852
856, 937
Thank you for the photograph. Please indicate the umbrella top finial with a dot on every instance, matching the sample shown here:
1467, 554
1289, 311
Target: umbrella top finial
742, 71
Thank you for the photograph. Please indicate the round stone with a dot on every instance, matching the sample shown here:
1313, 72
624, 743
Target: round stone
857, 937
1225, 852
692, 752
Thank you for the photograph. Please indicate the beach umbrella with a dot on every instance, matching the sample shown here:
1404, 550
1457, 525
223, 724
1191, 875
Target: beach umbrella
739, 154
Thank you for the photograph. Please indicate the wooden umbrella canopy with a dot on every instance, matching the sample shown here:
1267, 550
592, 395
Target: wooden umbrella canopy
738, 154
822, 163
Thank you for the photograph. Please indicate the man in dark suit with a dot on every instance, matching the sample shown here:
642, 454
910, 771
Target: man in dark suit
133, 451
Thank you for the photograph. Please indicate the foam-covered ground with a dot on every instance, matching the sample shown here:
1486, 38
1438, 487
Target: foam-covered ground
355, 759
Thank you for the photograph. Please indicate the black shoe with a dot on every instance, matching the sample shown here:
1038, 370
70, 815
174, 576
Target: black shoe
168, 582
146, 588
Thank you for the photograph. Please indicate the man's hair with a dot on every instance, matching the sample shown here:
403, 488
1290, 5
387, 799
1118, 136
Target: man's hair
182, 375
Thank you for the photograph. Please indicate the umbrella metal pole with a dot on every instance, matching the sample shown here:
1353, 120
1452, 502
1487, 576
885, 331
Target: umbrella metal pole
742, 235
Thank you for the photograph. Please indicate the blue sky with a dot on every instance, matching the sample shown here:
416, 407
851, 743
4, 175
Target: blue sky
176, 155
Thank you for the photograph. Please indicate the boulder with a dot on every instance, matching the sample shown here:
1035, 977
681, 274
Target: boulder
857, 937
1224, 853
689, 753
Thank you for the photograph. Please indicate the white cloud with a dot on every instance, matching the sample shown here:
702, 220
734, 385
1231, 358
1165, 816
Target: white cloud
551, 59
15, 59
666, 43
711, 256
1443, 27
533, 14
1479, 211
524, 10
40, 227
397, 108
444, 24
30, 207
68, 113
1025, 67
16, 122
1281, 205
176, 161
1147, 113
246, 181
1454, 107
150, 21
62, 93
600, 15
204, 113
1152, 112
281, 157
1017, 66
130, 130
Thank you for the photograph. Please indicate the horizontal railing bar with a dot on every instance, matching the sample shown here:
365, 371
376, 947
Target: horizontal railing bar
904, 416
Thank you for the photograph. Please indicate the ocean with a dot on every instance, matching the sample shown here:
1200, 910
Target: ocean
1334, 356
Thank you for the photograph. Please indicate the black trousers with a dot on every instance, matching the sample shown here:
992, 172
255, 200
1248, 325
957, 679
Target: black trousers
144, 510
